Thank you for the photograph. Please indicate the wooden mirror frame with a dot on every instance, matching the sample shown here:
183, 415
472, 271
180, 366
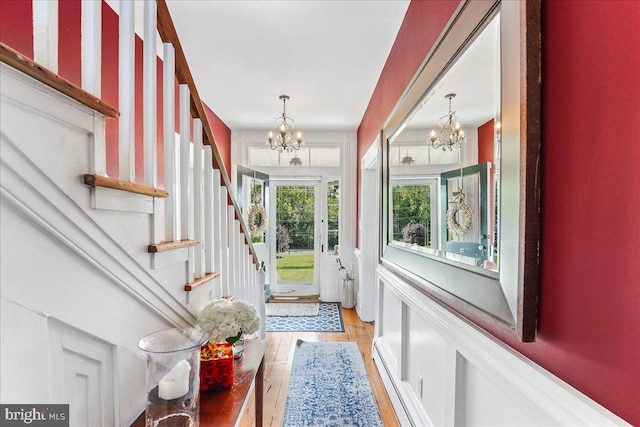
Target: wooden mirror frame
508, 299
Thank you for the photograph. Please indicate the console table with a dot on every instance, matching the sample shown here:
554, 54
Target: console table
224, 407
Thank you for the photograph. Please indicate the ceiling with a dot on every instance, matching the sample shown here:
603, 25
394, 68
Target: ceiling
326, 55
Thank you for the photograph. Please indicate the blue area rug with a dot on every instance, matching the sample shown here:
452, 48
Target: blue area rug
329, 319
329, 386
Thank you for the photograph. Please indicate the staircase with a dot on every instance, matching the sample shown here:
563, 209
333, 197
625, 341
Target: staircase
114, 224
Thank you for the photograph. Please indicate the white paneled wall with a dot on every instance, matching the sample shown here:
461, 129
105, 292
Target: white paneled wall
440, 369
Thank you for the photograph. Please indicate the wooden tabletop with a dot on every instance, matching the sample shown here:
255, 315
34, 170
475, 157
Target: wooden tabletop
224, 407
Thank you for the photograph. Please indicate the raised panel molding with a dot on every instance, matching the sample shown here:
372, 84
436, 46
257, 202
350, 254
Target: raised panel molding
82, 374
485, 380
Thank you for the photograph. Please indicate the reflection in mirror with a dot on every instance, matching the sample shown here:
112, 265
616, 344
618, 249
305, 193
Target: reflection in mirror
460, 174
444, 162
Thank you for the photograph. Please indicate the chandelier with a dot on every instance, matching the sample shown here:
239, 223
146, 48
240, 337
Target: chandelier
295, 161
407, 160
450, 133
284, 129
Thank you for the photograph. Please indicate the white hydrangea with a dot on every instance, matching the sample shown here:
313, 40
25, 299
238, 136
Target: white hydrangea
246, 317
222, 319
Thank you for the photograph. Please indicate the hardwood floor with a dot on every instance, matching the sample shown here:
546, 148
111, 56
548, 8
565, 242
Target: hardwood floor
280, 348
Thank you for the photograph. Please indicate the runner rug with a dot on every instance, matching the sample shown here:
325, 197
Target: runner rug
292, 309
329, 386
329, 319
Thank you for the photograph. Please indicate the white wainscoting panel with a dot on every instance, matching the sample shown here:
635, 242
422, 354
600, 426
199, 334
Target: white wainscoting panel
82, 374
391, 326
425, 369
440, 369
483, 402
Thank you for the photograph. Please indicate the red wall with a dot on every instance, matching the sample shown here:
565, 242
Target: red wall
69, 64
589, 315
16, 21
486, 143
222, 134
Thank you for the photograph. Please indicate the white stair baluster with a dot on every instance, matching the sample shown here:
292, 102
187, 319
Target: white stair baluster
172, 227
198, 198
224, 241
208, 218
245, 268
91, 46
242, 266
239, 259
185, 130
233, 254
149, 89
126, 92
45, 33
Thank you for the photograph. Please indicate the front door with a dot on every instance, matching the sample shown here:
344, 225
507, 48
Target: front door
294, 239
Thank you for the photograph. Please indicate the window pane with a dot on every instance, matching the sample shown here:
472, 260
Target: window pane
417, 155
309, 157
333, 215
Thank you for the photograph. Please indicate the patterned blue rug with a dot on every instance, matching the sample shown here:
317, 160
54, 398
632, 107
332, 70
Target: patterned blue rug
329, 387
329, 319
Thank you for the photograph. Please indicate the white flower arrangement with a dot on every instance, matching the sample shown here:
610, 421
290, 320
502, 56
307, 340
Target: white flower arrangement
225, 320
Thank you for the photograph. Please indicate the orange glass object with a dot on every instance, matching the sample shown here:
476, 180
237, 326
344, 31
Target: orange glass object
216, 366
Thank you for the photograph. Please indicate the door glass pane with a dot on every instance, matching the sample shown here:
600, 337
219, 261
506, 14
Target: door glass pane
412, 214
295, 233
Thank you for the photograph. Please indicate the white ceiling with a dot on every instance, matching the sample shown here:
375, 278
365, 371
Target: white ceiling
326, 55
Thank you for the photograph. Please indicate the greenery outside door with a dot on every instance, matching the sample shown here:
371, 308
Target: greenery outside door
294, 240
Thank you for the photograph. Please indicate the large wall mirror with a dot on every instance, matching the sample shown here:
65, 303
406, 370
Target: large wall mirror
461, 168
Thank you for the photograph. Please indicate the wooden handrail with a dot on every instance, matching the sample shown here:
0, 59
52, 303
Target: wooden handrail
168, 34
116, 184
42, 74
170, 246
201, 281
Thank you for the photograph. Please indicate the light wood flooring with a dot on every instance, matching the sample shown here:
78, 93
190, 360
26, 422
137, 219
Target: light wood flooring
279, 357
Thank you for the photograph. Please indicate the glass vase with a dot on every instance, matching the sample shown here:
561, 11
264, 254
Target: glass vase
173, 377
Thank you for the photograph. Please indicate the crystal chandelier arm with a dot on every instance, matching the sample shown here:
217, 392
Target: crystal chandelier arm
451, 134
